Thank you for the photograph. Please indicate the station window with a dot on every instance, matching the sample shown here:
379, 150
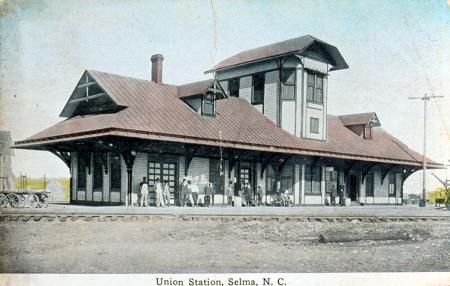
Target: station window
81, 174
287, 179
270, 180
216, 175
115, 171
233, 87
98, 172
258, 88
392, 190
313, 178
331, 179
369, 185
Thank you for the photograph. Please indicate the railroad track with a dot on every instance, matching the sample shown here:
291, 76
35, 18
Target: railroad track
52, 217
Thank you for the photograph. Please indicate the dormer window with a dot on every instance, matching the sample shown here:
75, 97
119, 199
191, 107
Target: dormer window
361, 124
201, 96
209, 104
368, 131
314, 89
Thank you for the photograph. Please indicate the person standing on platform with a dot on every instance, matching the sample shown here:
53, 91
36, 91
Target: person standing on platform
159, 196
260, 195
213, 193
143, 188
166, 193
333, 196
248, 194
230, 193
182, 193
208, 190
195, 191
190, 201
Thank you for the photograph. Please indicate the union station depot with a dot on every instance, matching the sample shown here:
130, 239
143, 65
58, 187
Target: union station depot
260, 119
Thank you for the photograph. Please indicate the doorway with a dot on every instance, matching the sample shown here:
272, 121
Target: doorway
164, 170
353, 187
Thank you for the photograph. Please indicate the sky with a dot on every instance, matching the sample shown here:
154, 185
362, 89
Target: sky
395, 49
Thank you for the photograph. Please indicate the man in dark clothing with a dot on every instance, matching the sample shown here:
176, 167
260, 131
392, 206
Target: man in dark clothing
333, 196
182, 193
213, 193
208, 191
341, 195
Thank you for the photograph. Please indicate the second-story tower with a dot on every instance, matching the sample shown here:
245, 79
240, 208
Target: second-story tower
286, 81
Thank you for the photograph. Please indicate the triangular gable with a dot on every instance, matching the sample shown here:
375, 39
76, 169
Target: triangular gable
217, 89
316, 50
89, 97
374, 120
200, 88
369, 118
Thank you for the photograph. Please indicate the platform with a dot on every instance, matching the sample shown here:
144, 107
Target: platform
307, 211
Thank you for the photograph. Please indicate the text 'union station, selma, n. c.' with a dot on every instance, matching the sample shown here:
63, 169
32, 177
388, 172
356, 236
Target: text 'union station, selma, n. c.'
261, 119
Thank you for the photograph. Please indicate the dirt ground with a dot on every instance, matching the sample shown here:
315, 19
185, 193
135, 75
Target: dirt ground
175, 245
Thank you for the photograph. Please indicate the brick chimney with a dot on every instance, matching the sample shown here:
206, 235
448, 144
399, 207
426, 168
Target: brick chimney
157, 68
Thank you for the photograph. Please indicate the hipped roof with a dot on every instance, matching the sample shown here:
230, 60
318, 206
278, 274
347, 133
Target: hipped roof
154, 111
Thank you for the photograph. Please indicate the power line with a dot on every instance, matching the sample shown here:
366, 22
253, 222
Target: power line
425, 99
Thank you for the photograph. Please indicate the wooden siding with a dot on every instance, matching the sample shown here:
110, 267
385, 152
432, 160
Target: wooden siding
106, 182
288, 116
74, 172
245, 88
89, 179
299, 100
297, 183
271, 95
140, 170
199, 172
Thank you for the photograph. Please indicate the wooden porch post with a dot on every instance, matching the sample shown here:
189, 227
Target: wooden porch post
129, 157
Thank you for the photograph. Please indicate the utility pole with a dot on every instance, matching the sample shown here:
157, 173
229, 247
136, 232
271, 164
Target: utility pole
425, 99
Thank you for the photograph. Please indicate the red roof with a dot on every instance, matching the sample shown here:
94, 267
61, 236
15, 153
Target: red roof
155, 112
291, 46
194, 88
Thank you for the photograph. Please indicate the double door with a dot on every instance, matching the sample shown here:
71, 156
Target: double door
165, 171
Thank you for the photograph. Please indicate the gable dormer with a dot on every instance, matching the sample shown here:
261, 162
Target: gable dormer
201, 96
89, 97
361, 124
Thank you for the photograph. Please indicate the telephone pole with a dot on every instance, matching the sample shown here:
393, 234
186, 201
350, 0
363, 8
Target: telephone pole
425, 99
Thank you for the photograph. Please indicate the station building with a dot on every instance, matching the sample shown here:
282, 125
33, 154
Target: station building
261, 118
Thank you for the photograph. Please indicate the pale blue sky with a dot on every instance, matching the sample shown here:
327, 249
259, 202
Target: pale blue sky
395, 49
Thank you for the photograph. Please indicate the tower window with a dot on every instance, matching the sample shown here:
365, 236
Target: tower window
288, 84
233, 87
258, 89
314, 125
314, 88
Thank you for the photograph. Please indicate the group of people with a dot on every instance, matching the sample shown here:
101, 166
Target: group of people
186, 195
162, 192
246, 192
337, 193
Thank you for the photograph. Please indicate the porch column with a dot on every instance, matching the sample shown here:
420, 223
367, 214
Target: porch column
322, 185
302, 182
129, 157
297, 184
